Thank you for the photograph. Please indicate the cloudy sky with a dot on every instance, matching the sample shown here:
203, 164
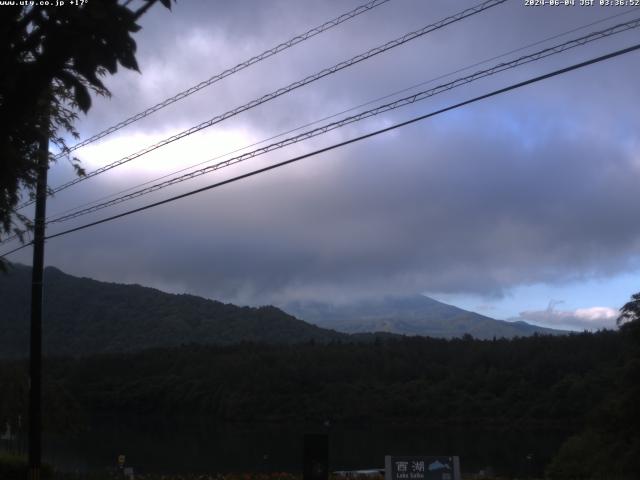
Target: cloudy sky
523, 206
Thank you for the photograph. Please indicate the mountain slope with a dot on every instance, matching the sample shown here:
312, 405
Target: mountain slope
84, 316
409, 315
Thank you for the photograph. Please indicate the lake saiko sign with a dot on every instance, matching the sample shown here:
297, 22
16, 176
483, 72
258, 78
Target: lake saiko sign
421, 468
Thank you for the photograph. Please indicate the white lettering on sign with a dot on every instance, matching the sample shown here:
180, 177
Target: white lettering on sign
422, 467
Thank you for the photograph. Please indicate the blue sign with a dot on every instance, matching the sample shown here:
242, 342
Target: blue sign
422, 468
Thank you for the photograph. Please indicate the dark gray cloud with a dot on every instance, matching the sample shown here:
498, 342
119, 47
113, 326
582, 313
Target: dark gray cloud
538, 185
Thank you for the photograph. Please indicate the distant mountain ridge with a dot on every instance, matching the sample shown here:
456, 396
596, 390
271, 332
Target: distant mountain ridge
85, 316
409, 315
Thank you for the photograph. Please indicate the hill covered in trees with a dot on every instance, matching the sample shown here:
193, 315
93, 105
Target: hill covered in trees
87, 317
84, 316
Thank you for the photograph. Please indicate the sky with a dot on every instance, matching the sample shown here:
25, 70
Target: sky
523, 206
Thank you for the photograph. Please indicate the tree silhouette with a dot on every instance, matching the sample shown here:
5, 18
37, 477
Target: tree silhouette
51, 59
630, 312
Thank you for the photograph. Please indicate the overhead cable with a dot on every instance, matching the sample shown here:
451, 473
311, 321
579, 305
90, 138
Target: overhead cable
523, 60
347, 142
230, 71
283, 90
337, 114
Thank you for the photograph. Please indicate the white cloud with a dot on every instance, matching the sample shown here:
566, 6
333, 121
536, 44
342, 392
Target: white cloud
590, 318
596, 314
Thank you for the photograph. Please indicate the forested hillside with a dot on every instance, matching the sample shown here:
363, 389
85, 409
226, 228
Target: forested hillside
84, 316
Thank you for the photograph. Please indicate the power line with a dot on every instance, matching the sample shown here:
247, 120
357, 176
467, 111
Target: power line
353, 140
241, 66
283, 90
78, 211
350, 109
226, 73
24, 245
230, 71
361, 116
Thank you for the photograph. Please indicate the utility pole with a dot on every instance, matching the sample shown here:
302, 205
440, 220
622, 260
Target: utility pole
35, 352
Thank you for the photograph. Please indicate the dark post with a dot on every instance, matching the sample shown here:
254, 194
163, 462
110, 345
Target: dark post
316, 457
35, 354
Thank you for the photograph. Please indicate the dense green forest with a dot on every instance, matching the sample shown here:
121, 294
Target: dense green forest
586, 382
